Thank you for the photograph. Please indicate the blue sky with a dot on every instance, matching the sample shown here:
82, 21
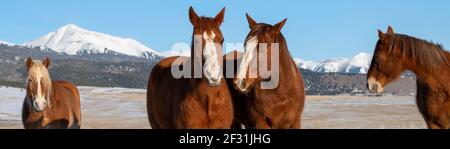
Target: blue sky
315, 30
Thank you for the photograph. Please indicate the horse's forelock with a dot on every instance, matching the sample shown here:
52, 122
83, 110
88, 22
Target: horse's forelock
39, 70
207, 24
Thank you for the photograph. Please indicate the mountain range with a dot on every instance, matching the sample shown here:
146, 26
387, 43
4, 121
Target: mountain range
74, 40
358, 64
6, 43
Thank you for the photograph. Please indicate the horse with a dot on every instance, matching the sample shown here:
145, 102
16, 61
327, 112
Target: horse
49, 104
257, 107
395, 53
192, 102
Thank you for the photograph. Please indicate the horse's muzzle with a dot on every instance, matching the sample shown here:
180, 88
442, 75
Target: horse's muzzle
374, 86
239, 84
213, 82
39, 105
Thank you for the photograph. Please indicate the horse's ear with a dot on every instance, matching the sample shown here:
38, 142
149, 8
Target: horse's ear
390, 30
381, 35
251, 22
220, 16
46, 62
29, 62
277, 27
193, 17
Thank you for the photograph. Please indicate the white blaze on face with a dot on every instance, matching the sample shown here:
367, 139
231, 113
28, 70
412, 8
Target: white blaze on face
249, 55
39, 102
211, 69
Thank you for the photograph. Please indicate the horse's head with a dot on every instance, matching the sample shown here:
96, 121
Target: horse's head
387, 62
207, 44
38, 84
260, 33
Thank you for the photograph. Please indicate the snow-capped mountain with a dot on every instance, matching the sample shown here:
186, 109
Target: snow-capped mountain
359, 63
74, 40
310, 65
332, 65
6, 43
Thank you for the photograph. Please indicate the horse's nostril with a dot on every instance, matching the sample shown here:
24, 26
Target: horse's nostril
241, 83
238, 83
35, 104
374, 87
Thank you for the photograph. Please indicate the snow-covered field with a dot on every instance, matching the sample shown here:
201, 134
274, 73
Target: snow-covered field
111, 108
11, 100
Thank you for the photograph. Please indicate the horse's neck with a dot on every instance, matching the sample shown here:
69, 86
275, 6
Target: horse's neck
287, 74
433, 78
447, 55
288, 68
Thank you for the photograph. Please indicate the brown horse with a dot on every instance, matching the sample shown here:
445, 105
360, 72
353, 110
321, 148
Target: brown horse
192, 102
49, 104
260, 107
395, 53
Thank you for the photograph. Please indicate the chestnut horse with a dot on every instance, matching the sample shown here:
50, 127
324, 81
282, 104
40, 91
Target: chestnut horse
279, 107
192, 102
49, 105
395, 53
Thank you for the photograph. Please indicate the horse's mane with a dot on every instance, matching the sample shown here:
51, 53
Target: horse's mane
285, 55
426, 54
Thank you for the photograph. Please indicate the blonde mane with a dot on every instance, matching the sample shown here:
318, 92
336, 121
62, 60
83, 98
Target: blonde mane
38, 70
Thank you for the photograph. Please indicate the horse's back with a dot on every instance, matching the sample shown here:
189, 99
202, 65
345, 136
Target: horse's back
161, 77
68, 86
163, 67
160, 94
72, 98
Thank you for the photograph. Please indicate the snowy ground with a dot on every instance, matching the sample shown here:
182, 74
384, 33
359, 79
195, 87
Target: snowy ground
120, 108
10, 107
